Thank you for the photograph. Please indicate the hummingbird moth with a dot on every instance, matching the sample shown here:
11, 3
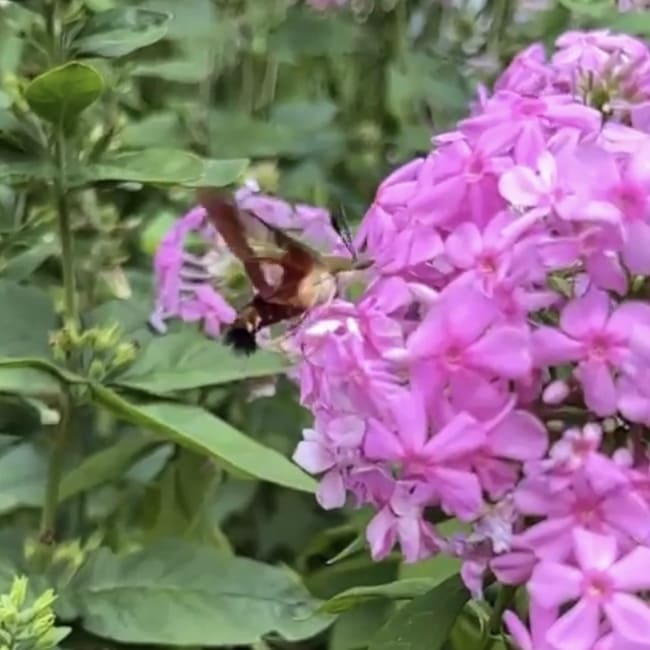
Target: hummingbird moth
288, 277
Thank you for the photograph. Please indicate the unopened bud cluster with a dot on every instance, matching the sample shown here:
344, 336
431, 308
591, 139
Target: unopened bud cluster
102, 348
28, 627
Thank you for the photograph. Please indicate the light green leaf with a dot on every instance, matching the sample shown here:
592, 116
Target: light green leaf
188, 360
26, 320
43, 365
219, 173
195, 428
118, 32
22, 477
60, 94
633, 22
21, 266
155, 166
28, 381
26, 167
103, 466
177, 593
397, 590
425, 623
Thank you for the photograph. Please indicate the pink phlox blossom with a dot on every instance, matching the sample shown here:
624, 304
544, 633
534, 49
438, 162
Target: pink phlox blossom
527, 74
601, 584
459, 182
489, 256
441, 458
625, 186
592, 51
619, 511
400, 520
462, 332
342, 345
559, 186
519, 125
515, 437
595, 336
387, 213
533, 636
184, 281
333, 447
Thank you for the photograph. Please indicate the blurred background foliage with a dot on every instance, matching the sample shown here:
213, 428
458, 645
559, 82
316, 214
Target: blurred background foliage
323, 105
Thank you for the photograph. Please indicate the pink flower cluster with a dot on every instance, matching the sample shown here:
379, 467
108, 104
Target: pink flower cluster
497, 369
191, 285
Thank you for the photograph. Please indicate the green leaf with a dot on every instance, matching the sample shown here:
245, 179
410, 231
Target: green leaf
25, 321
155, 166
188, 360
177, 593
219, 173
591, 8
425, 623
43, 365
131, 315
118, 32
28, 381
103, 466
305, 34
22, 477
192, 427
21, 266
398, 590
634, 22
60, 94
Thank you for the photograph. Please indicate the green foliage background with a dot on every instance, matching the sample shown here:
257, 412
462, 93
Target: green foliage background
138, 478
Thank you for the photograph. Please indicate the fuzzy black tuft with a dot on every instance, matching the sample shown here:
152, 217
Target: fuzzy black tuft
241, 340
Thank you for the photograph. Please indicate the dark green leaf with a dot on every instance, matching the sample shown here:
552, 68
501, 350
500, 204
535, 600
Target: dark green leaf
188, 360
306, 34
398, 590
155, 166
62, 93
22, 477
192, 427
25, 321
425, 623
25, 166
21, 266
176, 593
118, 32
353, 628
103, 466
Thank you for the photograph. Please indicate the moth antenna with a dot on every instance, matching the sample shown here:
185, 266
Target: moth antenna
340, 225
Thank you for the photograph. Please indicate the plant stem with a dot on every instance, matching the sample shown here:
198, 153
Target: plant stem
71, 313
70, 309
504, 598
54, 475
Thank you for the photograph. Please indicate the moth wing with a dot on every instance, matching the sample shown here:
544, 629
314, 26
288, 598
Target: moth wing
294, 252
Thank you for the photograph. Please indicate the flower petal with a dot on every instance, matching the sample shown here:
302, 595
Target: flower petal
629, 616
586, 314
554, 584
594, 551
577, 629
631, 573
